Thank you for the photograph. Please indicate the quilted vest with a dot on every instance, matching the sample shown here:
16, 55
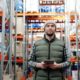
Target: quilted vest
49, 50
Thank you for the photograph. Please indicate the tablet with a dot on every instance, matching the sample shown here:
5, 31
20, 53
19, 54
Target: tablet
48, 62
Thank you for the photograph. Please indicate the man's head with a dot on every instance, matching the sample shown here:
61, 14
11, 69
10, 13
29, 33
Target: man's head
50, 28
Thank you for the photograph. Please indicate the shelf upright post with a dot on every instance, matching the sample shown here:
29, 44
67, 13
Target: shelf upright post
2, 42
77, 42
10, 37
15, 44
67, 42
25, 54
67, 32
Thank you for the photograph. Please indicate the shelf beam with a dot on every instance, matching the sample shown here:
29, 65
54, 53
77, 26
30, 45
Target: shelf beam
39, 14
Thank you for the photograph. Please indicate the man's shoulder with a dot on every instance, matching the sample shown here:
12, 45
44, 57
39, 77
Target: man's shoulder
40, 41
59, 41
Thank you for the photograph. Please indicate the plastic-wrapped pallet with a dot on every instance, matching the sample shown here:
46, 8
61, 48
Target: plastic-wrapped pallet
19, 73
74, 71
74, 75
7, 77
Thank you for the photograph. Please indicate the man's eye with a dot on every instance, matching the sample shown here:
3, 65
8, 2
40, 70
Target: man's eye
52, 26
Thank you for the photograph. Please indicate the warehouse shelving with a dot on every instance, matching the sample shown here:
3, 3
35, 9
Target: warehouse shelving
41, 17
39, 13
20, 60
9, 58
73, 36
31, 18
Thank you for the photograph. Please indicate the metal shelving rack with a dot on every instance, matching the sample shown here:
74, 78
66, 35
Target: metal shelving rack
5, 17
9, 15
69, 26
2, 42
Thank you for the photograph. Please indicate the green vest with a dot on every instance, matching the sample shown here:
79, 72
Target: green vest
45, 50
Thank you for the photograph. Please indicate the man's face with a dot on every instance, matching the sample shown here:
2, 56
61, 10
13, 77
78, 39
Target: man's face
50, 29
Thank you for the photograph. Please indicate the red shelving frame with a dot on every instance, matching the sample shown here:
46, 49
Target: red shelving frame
18, 59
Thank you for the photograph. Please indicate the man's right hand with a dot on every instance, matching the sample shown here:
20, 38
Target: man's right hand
41, 65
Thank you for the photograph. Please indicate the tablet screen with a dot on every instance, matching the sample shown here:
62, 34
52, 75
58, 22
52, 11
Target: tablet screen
48, 62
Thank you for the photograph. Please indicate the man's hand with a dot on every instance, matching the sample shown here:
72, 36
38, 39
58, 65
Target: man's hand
41, 65
55, 65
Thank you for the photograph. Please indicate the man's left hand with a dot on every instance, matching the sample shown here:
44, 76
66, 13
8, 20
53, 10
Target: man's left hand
54, 66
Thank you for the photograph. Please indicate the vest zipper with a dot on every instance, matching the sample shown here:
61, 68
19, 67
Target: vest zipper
49, 51
48, 59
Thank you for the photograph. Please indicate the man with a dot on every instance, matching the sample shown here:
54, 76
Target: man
48, 57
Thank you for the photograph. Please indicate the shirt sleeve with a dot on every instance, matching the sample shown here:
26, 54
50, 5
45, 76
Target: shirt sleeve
32, 61
66, 64
66, 58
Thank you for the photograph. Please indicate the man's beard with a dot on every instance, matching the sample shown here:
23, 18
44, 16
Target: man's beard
50, 35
